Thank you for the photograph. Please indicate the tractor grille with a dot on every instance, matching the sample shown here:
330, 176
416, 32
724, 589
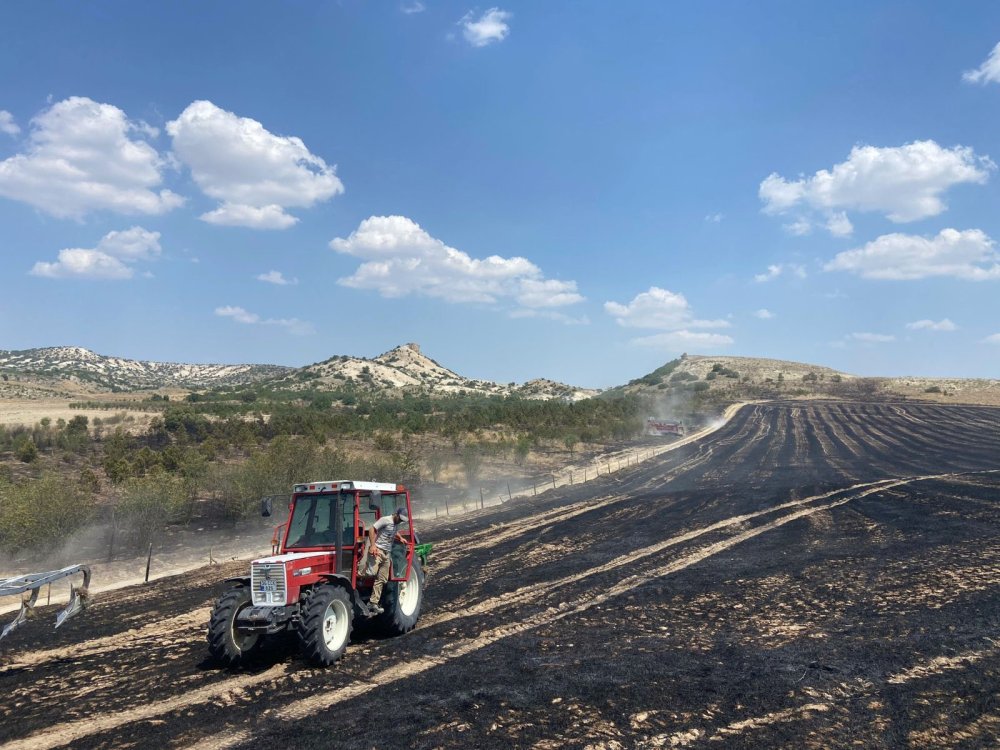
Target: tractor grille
267, 581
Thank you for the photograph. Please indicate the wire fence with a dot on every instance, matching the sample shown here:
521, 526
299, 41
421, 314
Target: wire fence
491, 494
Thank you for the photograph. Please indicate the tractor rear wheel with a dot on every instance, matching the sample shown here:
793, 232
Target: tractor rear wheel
402, 602
325, 624
225, 642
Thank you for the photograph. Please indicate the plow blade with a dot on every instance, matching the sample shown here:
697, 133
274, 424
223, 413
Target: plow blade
28, 587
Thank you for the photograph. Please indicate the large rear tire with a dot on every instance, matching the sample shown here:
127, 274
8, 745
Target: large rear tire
402, 602
225, 642
325, 625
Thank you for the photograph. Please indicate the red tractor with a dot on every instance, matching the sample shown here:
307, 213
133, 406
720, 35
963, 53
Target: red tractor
317, 582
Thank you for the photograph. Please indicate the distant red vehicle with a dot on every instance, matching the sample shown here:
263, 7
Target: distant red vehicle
659, 428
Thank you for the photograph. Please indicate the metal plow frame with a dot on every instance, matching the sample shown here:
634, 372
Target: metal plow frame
33, 582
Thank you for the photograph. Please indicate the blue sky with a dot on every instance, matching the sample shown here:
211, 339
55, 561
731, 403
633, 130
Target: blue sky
573, 190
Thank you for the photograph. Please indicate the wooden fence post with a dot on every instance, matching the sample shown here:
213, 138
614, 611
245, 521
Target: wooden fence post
149, 560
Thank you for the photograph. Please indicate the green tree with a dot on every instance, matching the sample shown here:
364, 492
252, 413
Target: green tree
435, 463
147, 504
40, 513
521, 450
26, 451
472, 462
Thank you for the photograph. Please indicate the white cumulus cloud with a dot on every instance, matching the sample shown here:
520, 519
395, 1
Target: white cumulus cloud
764, 314
778, 269
659, 308
992, 339
83, 156
966, 255
988, 72
905, 183
238, 215
930, 325
839, 225
254, 173
490, 27
276, 277
535, 293
401, 258
113, 258
669, 312
7, 124
293, 325
412, 8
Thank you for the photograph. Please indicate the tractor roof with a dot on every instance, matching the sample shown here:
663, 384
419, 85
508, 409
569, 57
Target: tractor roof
346, 484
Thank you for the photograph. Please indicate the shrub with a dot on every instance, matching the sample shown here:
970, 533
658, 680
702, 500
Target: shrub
435, 463
384, 441
521, 450
472, 462
146, 505
26, 451
570, 442
40, 514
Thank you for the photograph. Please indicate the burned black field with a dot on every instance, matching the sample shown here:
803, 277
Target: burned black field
811, 575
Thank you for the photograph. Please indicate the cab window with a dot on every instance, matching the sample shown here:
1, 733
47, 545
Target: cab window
313, 522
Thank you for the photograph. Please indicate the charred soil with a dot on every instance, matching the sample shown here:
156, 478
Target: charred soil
812, 575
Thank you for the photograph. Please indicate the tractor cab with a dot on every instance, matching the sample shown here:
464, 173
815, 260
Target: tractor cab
319, 577
334, 518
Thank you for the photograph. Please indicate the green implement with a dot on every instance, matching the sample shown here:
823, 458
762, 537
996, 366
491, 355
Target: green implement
423, 551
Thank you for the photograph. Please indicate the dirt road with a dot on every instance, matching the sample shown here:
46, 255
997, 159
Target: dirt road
811, 575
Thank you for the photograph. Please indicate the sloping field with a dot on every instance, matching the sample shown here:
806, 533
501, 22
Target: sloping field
812, 575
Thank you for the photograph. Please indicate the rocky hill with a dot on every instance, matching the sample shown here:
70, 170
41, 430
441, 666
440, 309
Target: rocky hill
728, 378
730, 372
79, 365
406, 368
399, 370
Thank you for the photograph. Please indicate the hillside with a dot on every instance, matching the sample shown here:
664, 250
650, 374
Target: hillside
406, 368
729, 378
729, 373
79, 365
73, 371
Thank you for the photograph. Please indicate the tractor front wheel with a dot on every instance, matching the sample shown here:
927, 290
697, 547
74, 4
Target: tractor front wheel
225, 641
402, 601
325, 625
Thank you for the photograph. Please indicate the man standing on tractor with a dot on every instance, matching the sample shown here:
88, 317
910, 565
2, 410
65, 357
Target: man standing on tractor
381, 535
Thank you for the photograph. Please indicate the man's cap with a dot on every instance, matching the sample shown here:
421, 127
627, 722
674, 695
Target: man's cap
401, 512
